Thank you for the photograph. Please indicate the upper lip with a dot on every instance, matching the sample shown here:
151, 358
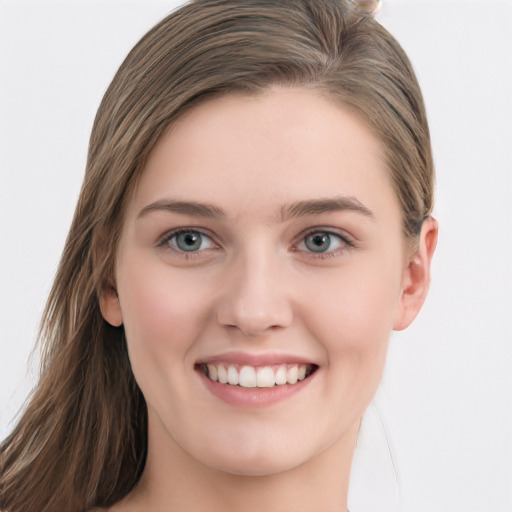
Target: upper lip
263, 359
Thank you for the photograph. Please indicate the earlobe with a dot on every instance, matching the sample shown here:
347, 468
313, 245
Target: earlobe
108, 298
110, 307
416, 276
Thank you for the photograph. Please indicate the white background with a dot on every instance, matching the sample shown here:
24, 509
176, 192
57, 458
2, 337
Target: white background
446, 397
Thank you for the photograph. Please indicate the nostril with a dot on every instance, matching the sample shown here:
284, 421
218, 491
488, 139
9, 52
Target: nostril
255, 321
252, 298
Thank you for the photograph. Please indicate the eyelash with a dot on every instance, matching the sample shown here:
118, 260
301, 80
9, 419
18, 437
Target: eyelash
165, 242
346, 242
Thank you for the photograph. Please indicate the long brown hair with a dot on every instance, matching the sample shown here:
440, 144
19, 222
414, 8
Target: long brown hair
81, 441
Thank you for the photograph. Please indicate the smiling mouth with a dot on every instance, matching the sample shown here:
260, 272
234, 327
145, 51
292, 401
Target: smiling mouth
247, 376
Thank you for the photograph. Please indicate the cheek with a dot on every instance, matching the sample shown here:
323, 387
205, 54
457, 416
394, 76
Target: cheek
163, 312
358, 306
355, 319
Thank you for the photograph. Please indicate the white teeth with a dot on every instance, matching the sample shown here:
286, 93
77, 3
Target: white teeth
261, 376
232, 375
212, 371
281, 375
247, 377
292, 374
265, 377
222, 374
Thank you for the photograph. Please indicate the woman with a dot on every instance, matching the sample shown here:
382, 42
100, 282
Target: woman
253, 224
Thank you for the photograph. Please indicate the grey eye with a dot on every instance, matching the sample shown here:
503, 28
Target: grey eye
318, 242
189, 241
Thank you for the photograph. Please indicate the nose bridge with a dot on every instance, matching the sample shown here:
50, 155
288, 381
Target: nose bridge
255, 298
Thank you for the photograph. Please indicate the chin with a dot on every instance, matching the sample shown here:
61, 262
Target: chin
259, 467
270, 457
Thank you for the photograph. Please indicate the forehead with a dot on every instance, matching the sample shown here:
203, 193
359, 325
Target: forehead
260, 151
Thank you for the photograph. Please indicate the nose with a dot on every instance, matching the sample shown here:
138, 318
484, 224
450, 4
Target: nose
254, 299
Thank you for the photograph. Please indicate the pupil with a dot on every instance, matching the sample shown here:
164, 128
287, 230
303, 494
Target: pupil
318, 242
188, 241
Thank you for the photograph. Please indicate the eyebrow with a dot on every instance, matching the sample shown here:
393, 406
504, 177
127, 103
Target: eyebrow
324, 205
185, 208
287, 212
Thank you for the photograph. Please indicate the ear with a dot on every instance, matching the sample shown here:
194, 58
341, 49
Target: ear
110, 306
416, 276
107, 294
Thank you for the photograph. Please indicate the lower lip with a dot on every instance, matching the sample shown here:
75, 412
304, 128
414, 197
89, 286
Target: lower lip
253, 397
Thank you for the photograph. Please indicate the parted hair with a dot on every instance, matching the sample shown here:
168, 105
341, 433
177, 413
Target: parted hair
81, 440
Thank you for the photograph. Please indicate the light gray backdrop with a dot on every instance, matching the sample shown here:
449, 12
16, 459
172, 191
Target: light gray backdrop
446, 398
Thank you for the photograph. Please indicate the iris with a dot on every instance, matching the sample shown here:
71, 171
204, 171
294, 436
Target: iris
189, 241
318, 242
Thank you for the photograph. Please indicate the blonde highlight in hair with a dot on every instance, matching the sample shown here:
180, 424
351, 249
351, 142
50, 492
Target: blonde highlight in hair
81, 441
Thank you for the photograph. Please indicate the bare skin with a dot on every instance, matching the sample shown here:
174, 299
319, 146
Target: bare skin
264, 231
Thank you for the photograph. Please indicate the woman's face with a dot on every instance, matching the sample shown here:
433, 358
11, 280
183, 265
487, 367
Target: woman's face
263, 244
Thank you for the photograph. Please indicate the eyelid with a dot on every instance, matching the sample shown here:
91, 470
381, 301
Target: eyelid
163, 240
347, 241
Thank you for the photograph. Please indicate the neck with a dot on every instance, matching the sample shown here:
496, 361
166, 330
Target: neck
174, 481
